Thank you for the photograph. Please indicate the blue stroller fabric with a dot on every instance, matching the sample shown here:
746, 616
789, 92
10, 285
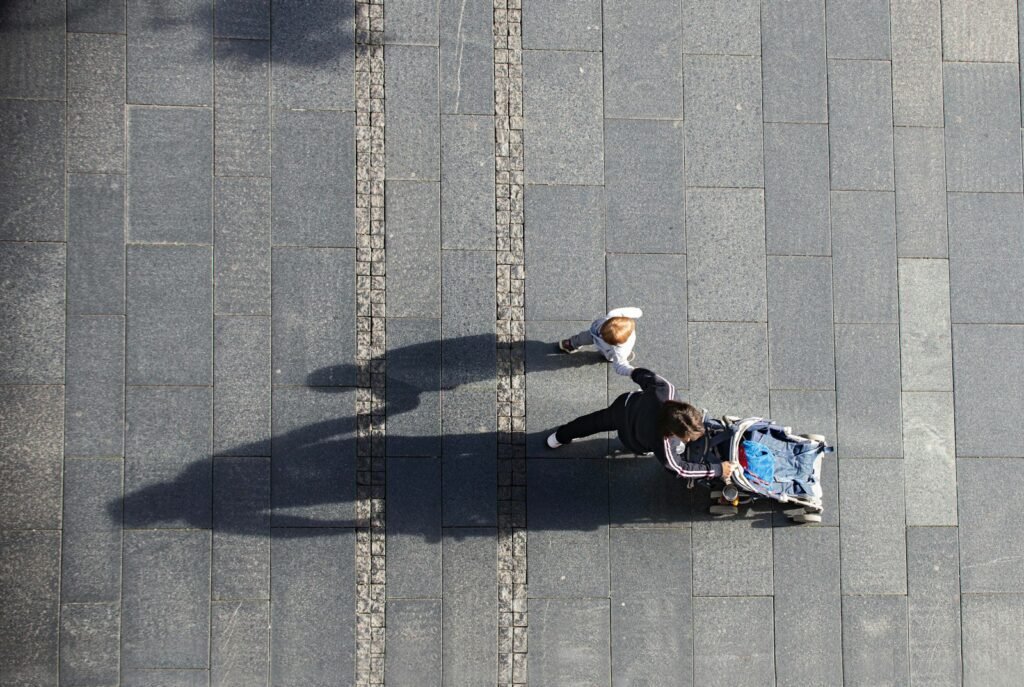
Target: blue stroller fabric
760, 461
792, 462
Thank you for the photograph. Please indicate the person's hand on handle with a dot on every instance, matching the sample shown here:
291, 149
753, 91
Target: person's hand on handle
726, 471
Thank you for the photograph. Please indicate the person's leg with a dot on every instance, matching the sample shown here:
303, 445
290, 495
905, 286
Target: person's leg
604, 420
584, 338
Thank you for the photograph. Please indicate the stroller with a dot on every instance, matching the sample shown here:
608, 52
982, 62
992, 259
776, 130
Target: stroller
768, 461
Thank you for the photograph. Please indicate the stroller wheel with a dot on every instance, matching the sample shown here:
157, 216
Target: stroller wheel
718, 509
806, 517
717, 494
794, 511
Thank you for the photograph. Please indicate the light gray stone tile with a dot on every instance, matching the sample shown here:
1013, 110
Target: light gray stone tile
988, 375
414, 387
412, 22
860, 125
242, 19
650, 563
794, 64
875, 640
170, 318
467, 322
920, 192
717, 622
990, 624
469, 455
929, 448
170, 52
240, 637
796, 189
562, 93
916, 62
314, 185
979, 31
96, 255
412, 144
868, 404
644, 186
801, 347
569, 640
982, 106
31, 439
872, 538
95, 93
91, 545
242, 121
864, 257
94, 390
32, 185
729, 367
723, 121
29, 584
466, 57
32, 310
414, 528
241, 394
641, 495
562, 26
413, 209
713, 563
32, 49
726, 285
241, 528
312, 54
166, 608
136, 677
413, 638
714, 28
96, 16
643, 66
858, 29
926, 362
90, 644
991, 546
986, 243
933, 605
469, 606
170, 165
241, 246
467, 183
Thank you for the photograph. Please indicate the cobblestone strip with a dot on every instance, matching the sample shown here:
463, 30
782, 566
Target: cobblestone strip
370, 344
508, 123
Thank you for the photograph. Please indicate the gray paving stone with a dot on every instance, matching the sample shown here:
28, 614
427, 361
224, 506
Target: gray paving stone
920, 192
570, 641
875, 640
717, 622
414, 388
726, 285
241, 528
167, 457
979, 31
563, 26
982, 106
568, 543
29, 584
467, 182
96, 16
864, 257
794, 65
32, 49
801, 351
714, 562
644, 186
647, 562
31, 440
467, 325
925, 341
469, 458
712, 28
868, 405
242, 19
990, 624
414, 528
95, 94
313, 338
414, 642
466, 57
860, 125
808, 619
985, 248
413, 209
916, 62
89, 644
796, 189
872, 537
562, 93
166, 607
812, 412
94, 390
991, 546
241, 394
32, 185
96, 256
241, 246
313, 471
170, 52
312, 610
412, 144
858, 29
933, 605
170, 163
170, 318
643, 67
32, 310
565, 252
240, 637
314, 178
469, 606
412, 22
165, 678
724, 145
729, 367
91, 545
988, 374
242, 122
312, 54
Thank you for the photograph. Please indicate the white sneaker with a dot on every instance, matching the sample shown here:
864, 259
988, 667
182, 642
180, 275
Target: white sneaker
553, 442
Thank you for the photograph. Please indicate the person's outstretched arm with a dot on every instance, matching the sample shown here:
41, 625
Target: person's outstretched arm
647, 380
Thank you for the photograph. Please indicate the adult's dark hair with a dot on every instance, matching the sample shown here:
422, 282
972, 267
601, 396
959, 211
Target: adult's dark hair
676, 418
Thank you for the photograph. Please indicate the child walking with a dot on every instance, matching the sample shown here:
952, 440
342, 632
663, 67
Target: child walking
614, 335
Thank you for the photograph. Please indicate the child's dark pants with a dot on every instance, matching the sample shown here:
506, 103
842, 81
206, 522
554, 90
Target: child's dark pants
608, 419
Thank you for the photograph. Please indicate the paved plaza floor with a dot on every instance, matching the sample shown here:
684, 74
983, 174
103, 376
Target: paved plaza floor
280, 282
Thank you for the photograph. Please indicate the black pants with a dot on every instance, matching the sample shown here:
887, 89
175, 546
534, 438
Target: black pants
609, 419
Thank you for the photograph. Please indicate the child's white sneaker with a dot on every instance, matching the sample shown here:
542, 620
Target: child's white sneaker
553, 442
